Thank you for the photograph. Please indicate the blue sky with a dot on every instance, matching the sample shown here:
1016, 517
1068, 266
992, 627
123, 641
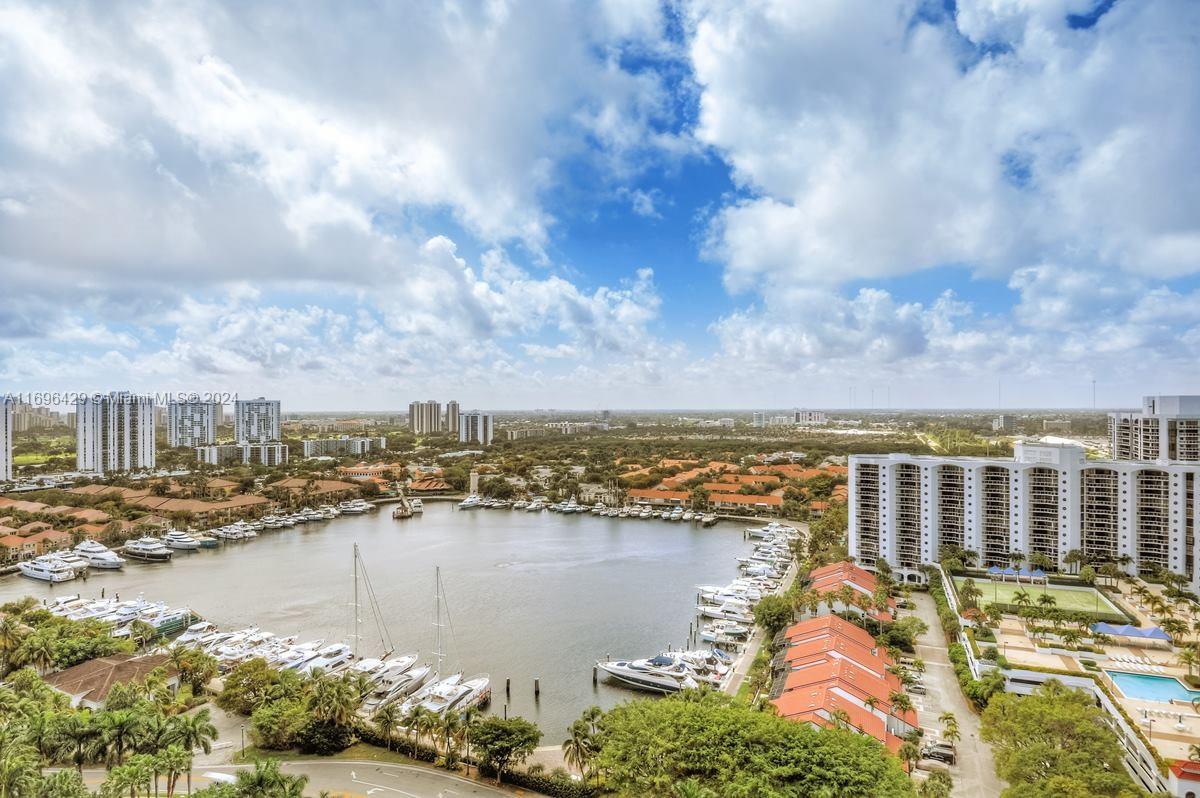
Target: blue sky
618, 204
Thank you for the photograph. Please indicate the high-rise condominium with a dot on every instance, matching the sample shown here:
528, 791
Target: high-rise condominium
425, 417
452, 413
1137, 510
114, 433
475, 427
192, 423
256, 420
6, 436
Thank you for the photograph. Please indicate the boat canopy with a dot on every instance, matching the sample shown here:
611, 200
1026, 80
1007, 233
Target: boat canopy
662, 662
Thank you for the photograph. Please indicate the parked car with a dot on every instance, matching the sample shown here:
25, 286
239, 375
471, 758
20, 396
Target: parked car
939, 753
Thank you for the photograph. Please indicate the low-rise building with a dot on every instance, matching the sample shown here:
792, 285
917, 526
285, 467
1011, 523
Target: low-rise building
345, 445
89, 683
269, 454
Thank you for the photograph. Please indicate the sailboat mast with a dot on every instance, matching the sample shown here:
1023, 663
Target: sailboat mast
355, 608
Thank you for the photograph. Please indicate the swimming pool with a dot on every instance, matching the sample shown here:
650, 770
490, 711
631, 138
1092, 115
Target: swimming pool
1152, 688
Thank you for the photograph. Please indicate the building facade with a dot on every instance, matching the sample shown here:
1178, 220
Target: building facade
452, 414
1049, 500
269, 454
114, 433
1166, 428
6, 439
425, 417
475, 427
810, 418
256, 420
192, 423
345, 445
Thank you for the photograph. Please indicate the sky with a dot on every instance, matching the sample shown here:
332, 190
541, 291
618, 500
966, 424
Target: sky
617, 204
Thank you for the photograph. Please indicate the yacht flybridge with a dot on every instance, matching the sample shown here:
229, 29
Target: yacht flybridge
98, 555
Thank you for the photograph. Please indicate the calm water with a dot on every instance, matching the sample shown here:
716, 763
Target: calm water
530, 595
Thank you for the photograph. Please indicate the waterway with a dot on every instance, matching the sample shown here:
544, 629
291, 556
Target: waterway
530, 595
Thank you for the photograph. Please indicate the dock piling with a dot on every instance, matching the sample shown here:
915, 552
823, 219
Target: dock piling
537, 688
508, 686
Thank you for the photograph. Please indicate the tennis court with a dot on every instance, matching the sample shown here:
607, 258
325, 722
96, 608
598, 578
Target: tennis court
1083, 598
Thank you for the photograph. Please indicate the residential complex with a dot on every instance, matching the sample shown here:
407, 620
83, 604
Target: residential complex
345, 445
1004, 423
114, 433
1049, 499
452, 413
256, 420
475, 427
6, 439
1166, 428
269, 454
810, 418
425, 417
192, 424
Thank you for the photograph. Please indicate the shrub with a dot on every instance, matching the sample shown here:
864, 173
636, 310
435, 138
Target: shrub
276, 726
323, 738
552, 784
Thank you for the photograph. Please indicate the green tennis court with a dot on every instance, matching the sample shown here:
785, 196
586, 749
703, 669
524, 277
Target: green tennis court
1076, 598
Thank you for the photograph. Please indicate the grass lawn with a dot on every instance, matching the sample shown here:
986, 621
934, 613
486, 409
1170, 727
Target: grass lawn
1084, 599
358, 751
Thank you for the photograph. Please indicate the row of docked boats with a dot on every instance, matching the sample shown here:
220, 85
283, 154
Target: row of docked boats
571, 506
726, 615
165, 620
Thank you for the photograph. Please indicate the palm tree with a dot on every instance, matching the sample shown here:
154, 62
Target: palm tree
80, 739
194, 731
1194, 750
121, 728
1189, 658
426, 724
691, 789
1016, 557
386, 718
870, 702
909, 754
970, 593
450, 725
901, 703
1046, 600
470, 718
264, 781
19, 771
334, 701
578, 748
1021, 598
36, 650
11, 636
174, 761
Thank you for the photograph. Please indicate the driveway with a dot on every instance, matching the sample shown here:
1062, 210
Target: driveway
354, 779
975, 774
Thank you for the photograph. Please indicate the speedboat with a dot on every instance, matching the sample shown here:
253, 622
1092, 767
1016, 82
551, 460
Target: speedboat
658, 674
470, 502
47, 568
329, 658
726, 612
180, 540
520, 504
149, 549
688, 515
416, 505
196, 632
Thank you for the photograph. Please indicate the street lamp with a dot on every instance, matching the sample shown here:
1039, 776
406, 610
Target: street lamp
243, 754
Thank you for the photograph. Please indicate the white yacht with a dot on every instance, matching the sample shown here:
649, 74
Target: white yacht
657, 674
197, 632
479, 692
47, 568
148, 548
470, 502
726, 612
77, 562
98, 555
328, 658
180, 540
446, 694
296, 657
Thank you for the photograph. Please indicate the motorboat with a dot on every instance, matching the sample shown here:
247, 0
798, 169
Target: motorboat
659, 674
47, 568
688, 515
207, 541
180, 540
520, 504
390, 689
416, 505
296, 657
445, 694
470, 502
417, 696
194, 634
329, 658
726, 612
98, 555
479, 692
148, 549
369, 668
75, 560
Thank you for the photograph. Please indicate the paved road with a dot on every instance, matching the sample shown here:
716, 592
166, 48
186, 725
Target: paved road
975, 774
354, 779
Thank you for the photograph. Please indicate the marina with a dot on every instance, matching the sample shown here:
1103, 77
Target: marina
534, 596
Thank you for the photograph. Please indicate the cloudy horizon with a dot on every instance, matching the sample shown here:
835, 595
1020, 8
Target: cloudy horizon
612, 205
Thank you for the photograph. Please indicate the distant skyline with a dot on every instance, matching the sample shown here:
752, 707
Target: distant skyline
607, 205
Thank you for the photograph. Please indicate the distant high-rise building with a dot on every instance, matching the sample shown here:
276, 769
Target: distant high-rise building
475, 427
1167, 428
758, 420
425, 417
114, 433
269, 454
606, 415
324, 447
192, 423
1004, 423
452, 413
6, 437
810, 418
256, 420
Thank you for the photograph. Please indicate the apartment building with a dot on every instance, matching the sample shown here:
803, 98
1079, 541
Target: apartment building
256, 420
1048, 499
425, 417
476, 427
192, 424
810, 418
269, 454
6, 439
345, 445
1166, 428
452, 413
114, 433
758, 419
